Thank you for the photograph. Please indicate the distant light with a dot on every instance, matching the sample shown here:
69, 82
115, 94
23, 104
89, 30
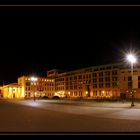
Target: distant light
34, 79
131, 58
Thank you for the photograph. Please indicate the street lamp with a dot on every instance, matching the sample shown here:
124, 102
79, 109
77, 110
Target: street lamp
34, 79
132, 59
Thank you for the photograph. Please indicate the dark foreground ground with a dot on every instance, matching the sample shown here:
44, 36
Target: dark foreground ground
45, 116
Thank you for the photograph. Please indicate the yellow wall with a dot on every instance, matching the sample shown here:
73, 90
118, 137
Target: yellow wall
12, 92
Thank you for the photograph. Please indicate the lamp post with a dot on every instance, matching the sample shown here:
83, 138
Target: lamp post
34, 79
132, 59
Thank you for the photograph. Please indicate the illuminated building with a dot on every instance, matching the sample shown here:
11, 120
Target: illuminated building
59, 82
42, 87
26, 88
12, 91
104, 81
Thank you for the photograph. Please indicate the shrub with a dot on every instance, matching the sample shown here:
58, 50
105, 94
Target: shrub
56, 97
45, 97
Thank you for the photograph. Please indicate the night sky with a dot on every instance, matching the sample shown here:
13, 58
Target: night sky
34, 40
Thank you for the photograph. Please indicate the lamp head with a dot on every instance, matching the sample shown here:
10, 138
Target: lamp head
131, 58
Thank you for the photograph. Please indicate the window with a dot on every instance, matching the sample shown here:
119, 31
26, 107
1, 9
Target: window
114, 67
95, 93
29, 94
100, 73
107, 93
108, 68
101, 68
80, 77
75, 78
94, 85
139, 84
83, 76
107, 73
94, 80
107, 85
129, 78
114, 78
100, 92
100, 79
80, 93
114, 72
89, 76
107, 79
66, 87
130, 84
94, 74
71, 87
27, 83
96, 69
100, 85
114, 84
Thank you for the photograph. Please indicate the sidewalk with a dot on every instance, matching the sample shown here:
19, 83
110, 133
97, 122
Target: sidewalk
95, 104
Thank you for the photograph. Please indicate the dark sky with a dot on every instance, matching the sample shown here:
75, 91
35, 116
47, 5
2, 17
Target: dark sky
34, 40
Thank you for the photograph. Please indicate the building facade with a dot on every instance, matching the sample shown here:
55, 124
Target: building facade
39, 88
12, 91
104, 81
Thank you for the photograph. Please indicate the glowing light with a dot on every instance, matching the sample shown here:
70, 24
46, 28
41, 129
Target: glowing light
32, 104
86, 92
131, 58
34, 79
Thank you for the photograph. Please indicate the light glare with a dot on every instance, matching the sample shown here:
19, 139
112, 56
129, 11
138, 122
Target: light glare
33, 79
131, 58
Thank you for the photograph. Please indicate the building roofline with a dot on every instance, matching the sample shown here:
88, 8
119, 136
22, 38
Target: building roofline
96, 66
